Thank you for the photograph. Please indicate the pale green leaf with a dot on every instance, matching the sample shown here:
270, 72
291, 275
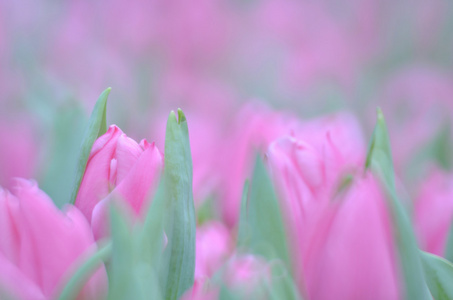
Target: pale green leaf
179, 256
379, 159
264, 218
97, 126
439, 276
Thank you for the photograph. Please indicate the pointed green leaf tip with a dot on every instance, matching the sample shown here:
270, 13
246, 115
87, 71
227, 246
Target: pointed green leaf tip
97, 126
178, 263
379, 160
264, 221
181, 116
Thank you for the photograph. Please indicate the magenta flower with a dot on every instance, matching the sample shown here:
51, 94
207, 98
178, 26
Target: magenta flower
213, 246
339, 230
118, 168
41, 246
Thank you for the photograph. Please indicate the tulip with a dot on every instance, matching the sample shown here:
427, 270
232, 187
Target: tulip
434, 212
352, 253
339, 232
117, 168
243, 275
253, 130
213, 246
41, 246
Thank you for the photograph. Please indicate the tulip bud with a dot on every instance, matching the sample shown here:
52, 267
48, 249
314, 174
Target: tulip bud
41, 246
118, 168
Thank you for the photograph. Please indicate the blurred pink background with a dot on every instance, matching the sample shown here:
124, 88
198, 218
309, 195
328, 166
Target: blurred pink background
209, 57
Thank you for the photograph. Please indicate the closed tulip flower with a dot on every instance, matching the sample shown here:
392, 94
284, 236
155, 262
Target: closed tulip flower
338, 226
117, 168
41, 246
352, 252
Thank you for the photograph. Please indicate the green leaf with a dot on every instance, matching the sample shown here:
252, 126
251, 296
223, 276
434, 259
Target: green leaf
264, 218
97, 126
282, 284
439, 275
75, 284
243, 240
179, 257
379, 159
59, 174
442, 147
131, 276
449, 244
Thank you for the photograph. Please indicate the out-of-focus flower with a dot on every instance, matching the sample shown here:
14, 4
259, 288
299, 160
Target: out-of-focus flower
333, 227
247, 275
254, 128
40, 246
117, 168
352, 253
244, 276
434, 212
213, 247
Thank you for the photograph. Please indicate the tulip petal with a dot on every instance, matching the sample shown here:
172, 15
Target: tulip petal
95, 185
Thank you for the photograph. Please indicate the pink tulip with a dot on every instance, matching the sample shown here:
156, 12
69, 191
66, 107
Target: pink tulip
247, 274
213, 246
352, 253
332, 234
243, 275
253, 129
118, 168
434, 212
41, 246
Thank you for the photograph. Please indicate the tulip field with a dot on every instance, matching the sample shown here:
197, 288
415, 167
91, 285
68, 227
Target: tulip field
226, 149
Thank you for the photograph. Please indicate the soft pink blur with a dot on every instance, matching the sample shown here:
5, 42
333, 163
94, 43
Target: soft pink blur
214, 245
417, 105
118, 169
307, 168
19, 151
41, 246
433, 213
353, 254
244, 275
252, 130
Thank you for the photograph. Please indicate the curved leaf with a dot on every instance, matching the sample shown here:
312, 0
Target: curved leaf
439, 276
179, 257
379, 159
97, 126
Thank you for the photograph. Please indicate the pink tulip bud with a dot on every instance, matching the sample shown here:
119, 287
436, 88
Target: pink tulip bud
40, 246
243, 275
213, 246
118, 168
434, 212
